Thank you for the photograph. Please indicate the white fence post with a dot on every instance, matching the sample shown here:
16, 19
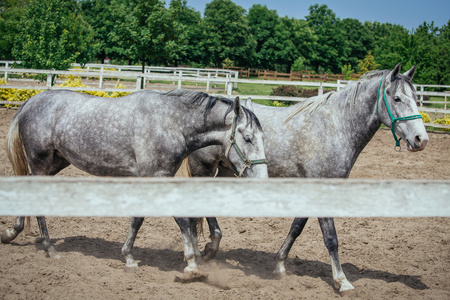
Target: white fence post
207, 82
227, 81
179, 80
138, 82
49, 80
422, 88
6, 72
100, 84
320, 89
230, 89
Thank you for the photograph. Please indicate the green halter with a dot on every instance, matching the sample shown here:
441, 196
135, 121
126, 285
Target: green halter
413, 117
247, 162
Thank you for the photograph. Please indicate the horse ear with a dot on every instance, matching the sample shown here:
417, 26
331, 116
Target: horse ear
395, 72
410, 73
249, 104
237, 106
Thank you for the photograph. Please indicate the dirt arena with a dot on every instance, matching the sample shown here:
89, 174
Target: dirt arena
384, 258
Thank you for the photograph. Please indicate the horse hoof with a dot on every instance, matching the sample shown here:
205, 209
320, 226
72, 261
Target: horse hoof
278, 275
347, 293
191, 277
280, 270
54, 255
131, 269
209, 252
7, 237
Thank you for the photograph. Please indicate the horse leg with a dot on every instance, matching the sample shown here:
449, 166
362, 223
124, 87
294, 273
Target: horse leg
10, 234
127, 247
188, 228
296, 229
48, 246
212, 247
331, 242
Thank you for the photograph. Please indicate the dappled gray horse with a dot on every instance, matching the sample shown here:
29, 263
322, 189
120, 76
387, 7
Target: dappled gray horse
322, 137
142, 134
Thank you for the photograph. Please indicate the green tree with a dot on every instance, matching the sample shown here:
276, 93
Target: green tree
142, 30
430, 53
10, 14
264, 24
358, 38
186, 18
280, 41
367, 64
98, 14
443, 59
347, 71
392, 46
52, 35
192, 50
331, 47
227, 34
301, 41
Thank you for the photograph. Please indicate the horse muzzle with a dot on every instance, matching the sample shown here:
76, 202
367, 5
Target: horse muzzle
418, 144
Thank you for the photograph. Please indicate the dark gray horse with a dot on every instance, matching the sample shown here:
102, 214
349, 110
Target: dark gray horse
142, 134
322, 138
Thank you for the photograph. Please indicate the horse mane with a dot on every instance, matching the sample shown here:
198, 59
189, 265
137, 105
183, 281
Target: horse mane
312, 104
200, 98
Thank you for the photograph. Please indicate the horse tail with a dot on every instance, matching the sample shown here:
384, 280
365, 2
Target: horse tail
15, 149
184, 170
200, 226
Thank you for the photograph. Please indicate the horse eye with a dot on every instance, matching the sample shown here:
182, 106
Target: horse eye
247, 139
397, 99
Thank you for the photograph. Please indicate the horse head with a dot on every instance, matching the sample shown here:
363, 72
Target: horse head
397, 109
246, 149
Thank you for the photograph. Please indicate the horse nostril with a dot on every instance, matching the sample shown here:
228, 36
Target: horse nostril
418, 140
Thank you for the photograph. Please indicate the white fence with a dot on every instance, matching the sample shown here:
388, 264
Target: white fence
191, 197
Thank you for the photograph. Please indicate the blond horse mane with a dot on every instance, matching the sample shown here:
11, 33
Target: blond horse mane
310, 105
185, 171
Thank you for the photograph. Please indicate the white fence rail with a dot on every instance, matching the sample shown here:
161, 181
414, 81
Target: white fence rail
275, 197
208, 76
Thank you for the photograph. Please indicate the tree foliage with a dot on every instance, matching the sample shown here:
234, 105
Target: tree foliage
52, 34
55, 33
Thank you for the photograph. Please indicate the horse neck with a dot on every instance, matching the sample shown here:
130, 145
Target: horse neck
210, 131
360, 113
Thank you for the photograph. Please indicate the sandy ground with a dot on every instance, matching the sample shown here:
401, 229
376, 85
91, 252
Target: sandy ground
384, 258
